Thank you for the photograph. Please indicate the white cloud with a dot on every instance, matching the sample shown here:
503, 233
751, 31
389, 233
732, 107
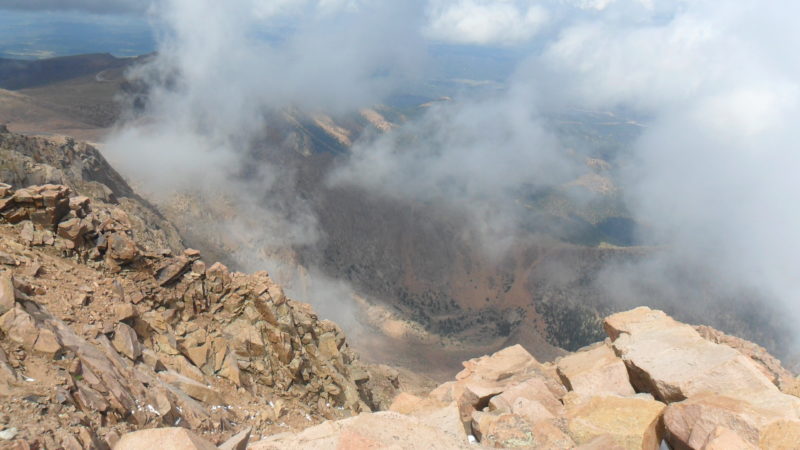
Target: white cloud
748, 111
484, 22
593, 4
265, 9
713, 171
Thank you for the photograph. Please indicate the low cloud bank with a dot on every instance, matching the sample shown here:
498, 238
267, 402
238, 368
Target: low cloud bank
712, 86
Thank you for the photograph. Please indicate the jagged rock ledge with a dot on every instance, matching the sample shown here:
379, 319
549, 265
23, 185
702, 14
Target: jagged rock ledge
99, 336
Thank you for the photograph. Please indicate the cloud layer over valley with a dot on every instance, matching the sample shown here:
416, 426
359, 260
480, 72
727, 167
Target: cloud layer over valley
710, 90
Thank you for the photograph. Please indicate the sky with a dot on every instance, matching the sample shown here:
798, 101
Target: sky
713, 172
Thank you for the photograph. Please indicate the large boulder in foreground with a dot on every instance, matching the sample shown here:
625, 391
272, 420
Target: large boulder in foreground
172, 438
714, 391
655, 379
710, 418
673, 362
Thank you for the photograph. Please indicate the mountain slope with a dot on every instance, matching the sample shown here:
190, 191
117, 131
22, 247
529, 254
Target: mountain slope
105, 329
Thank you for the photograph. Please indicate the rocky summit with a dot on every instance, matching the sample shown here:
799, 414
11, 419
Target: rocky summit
108, 325
114, 335
653, 382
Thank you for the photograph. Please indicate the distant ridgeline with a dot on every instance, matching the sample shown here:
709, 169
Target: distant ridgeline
20, 74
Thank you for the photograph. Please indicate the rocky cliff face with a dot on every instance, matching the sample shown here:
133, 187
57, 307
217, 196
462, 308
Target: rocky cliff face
26, 161
108, 325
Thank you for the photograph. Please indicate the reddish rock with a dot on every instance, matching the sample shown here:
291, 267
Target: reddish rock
125, 311
7, 259
781, 434
126, 341
217, 282
23, 196
121, 248
172, 270
406, 403
501, 430
230, 369
47, 343
20, 327
72, 230
546, 434
604, 442
79, 204
191, 253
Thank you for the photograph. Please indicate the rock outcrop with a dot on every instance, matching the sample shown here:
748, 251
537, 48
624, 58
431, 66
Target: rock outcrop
655, 381
99, 335
32, 161
713, 390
